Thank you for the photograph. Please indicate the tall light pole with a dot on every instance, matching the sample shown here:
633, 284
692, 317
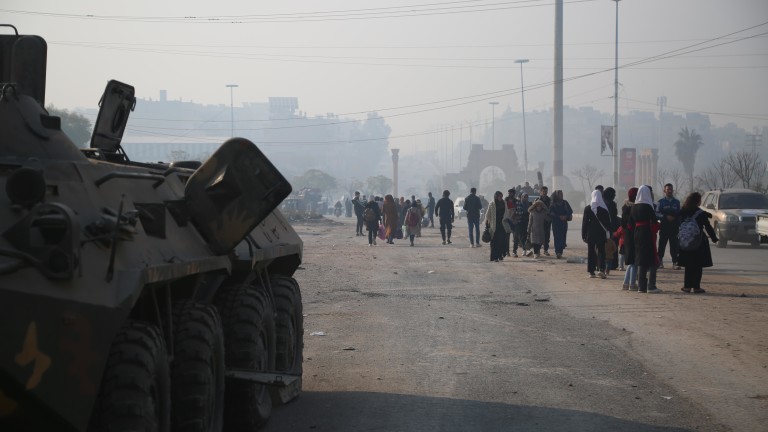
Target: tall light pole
493, 124
232, 107
525, 138
616, 105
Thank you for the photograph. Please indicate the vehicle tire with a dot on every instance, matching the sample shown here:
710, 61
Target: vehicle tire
289, 327
722, 243
197, 370
249, 343
135, 392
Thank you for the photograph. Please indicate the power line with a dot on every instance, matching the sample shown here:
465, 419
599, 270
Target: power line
308, 58
347, 15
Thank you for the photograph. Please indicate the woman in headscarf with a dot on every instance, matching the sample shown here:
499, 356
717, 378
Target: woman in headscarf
493, 221
561, 213
391, 219
642, 219
595, 230
372, 219
412, 221
694, 261
538, 214
609, 197
628, 242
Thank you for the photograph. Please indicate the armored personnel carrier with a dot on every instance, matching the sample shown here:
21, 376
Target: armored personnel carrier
135, 296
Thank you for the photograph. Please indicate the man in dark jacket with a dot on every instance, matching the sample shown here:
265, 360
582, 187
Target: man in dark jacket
543, 191
431, 210
473, 205
359, 207
444, 211
668, 212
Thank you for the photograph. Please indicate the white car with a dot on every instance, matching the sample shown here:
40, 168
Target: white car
458, 208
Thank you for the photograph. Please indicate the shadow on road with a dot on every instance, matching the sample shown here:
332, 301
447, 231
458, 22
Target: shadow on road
363, 411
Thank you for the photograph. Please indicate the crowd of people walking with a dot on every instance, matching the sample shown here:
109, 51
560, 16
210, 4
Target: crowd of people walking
625, 241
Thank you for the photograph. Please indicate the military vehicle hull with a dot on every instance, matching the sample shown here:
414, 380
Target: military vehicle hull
137, 296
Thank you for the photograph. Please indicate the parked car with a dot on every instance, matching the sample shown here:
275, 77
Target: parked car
762, 227
734, 214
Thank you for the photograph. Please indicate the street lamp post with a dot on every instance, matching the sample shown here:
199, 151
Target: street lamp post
525, 135
616, 105
232, 107
493, 124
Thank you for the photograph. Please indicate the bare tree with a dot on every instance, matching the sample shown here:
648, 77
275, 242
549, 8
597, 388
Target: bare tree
661, 177
747, 166
676, 178
726, 175
590, 175
709, 178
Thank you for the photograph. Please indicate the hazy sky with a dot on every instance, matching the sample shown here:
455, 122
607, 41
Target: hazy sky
420, 63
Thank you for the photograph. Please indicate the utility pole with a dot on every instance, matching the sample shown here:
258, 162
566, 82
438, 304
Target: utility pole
661, 101
525, 137
616, 105
557, 120
493, 124
232, 108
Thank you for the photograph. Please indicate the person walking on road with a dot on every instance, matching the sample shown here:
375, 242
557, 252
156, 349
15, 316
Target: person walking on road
372, 217
543, 190
413, 222
444, 211
391, 219
645, 225
560, 212
595, 232
695, 260
668, 212
494, 218
537, 225
520, 226
473, 205
609, 197
358, 206
431, 209
628, 242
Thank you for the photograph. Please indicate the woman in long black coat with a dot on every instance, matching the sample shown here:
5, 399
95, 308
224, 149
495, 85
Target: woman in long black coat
595, 229
609, 196
694, 261
493, 221
372, 225
644, 224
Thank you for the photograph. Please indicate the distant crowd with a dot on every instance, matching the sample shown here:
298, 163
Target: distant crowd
515, 222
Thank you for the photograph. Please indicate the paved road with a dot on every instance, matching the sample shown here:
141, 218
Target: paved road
437, 338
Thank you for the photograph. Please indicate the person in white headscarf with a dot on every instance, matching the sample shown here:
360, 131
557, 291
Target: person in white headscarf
642, 219
595, 230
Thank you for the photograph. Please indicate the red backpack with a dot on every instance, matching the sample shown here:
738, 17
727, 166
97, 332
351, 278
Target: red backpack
412, 218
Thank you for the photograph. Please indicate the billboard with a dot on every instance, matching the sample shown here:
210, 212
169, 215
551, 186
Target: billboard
627, 167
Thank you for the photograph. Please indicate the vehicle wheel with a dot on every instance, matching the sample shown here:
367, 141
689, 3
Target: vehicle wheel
722, 243
197, 370
289, 327
135, 391
249, 342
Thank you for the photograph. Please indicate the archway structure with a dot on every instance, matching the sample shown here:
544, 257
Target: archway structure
480, 159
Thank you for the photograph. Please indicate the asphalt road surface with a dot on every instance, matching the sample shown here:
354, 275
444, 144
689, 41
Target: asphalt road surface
437, 338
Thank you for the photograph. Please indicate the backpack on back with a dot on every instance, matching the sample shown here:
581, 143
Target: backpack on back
369, 215
412, 218
689, 235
